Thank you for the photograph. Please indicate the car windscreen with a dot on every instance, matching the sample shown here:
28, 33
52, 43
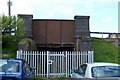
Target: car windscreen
106, 71
9, 66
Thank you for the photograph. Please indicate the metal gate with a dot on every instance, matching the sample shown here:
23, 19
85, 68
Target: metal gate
52, 64
55, 64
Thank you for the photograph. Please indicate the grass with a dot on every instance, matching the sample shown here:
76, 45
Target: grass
105, 51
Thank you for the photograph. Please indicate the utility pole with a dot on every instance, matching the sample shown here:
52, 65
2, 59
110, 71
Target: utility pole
9, 3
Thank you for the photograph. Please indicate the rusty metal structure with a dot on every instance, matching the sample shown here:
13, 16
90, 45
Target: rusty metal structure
59, 34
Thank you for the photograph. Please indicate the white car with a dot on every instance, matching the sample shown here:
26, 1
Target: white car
97, 70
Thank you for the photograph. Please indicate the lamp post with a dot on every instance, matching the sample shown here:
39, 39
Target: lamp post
9, 3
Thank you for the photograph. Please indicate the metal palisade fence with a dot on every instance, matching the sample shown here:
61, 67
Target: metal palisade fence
59, 63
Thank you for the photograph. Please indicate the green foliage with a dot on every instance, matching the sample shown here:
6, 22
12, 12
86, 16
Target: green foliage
105, 51
11, 33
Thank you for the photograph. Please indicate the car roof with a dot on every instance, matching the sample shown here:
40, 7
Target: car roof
102, 64
12, 59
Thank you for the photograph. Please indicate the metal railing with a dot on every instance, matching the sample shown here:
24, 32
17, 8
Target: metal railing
50, 64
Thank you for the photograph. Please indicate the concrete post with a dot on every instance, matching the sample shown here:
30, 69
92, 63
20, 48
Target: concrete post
82, 33
27, 25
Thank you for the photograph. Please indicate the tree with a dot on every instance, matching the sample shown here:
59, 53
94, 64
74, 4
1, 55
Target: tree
11, 32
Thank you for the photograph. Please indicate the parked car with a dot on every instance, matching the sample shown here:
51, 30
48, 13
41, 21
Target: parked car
15, 69
97, 71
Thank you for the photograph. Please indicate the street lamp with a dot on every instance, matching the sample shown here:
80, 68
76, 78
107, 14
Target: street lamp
9, 3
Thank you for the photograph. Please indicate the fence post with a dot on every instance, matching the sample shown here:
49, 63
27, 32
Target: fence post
92, 53
17, 53
47, 64
66, 62
90, 56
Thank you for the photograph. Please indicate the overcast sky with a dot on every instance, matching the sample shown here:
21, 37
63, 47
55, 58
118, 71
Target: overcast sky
103, 13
